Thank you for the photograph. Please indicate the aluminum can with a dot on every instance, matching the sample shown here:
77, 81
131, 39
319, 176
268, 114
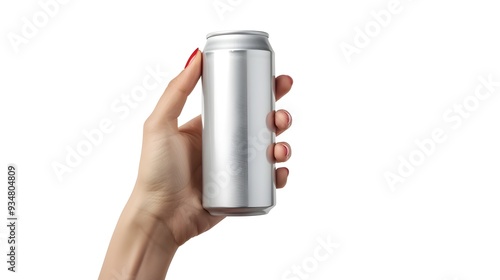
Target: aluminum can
238, 123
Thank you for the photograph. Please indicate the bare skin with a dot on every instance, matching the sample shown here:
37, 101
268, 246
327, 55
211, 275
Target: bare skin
164, 210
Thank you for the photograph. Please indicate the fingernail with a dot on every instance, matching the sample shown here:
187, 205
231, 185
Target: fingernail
287, 150
289, 117
191, 57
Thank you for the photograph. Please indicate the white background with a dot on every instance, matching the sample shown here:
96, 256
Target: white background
352, 122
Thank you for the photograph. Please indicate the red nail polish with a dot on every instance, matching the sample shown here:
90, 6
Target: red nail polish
193, 55
289, 118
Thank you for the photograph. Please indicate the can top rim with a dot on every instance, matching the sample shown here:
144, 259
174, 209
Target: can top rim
238, 32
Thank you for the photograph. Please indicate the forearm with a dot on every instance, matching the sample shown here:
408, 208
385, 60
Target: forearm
141, 246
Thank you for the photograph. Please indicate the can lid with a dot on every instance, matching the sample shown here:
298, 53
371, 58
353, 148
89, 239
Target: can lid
238, 32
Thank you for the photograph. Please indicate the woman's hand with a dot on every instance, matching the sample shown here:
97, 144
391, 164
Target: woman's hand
165, 208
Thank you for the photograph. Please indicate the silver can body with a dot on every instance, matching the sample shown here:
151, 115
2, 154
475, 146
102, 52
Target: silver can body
238, 124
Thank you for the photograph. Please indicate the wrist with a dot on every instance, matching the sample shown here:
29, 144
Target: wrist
146, 216
141, 247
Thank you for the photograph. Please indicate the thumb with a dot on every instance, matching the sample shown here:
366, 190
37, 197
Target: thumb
174, 97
